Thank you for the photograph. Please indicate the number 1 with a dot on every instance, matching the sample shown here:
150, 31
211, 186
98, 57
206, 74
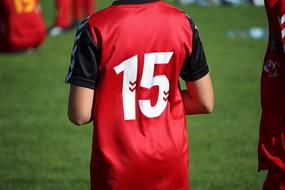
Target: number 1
130, 67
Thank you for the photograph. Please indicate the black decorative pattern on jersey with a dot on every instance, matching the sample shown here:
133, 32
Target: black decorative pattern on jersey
75, 47
84, 58
195, 65
165, 95
133, 86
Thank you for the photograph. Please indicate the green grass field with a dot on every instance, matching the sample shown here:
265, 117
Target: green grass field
41, 150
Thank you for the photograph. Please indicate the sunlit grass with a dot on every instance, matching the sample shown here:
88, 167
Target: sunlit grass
41, 150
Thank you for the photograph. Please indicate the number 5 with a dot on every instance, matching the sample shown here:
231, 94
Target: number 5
148, 81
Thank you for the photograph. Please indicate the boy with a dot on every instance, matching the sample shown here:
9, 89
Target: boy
124, 75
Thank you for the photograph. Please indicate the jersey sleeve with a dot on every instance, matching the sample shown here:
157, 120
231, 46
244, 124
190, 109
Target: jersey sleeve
84, 59
195, 65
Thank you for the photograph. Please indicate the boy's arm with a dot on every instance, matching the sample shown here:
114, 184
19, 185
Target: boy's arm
199, 96
82, 75
80, 104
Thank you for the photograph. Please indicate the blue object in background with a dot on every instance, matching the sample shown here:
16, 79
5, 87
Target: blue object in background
251, 33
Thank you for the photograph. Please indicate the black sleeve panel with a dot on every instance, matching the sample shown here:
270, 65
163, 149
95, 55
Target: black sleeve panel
195, 66
84, 59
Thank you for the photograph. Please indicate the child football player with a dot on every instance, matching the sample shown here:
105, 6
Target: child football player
21, 25
124, 76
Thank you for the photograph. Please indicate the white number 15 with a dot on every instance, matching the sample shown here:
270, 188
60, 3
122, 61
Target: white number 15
129, 68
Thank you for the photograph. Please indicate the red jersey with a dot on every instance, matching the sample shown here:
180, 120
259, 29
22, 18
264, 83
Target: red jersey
132, 54
21, 25
272, 133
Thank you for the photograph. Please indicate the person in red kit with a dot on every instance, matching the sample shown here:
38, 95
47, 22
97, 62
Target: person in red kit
69, 13
124, 76
21, 25
271, 147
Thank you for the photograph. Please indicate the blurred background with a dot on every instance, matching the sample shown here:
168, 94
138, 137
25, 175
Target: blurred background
41, 150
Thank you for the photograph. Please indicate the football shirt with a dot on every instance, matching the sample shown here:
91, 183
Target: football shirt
132, 54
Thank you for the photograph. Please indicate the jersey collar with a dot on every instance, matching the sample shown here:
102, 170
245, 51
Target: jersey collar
123, 2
